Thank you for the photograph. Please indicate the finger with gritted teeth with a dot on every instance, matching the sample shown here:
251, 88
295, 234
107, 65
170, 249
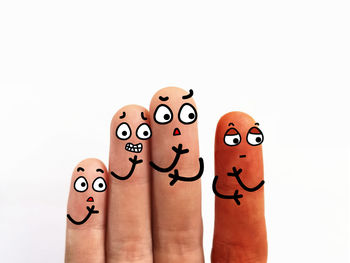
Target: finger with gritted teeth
129, 213
86, 213
133, 147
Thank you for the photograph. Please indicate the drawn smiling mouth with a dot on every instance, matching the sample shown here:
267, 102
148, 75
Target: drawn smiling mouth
137, 148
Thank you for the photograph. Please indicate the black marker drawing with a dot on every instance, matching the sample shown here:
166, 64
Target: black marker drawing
91, 211
134, 162
236, 174
176, 177
178, 152
255, 136
235, 196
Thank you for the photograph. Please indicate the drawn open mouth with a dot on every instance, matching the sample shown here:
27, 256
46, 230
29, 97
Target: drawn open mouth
136, 148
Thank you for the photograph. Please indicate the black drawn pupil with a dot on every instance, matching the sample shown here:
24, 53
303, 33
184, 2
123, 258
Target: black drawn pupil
124, 133
258, 139
166, 117
145, 133
83, 184
100, 185
235, 140
191, 115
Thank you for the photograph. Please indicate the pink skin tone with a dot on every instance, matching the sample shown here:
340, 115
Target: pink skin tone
129, 237
176, 210
85, 242
133, 227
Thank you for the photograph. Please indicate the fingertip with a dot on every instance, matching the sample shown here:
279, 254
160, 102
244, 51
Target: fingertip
168, 94
89, 184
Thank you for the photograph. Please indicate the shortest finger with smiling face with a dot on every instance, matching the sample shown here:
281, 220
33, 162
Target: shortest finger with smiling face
86, 213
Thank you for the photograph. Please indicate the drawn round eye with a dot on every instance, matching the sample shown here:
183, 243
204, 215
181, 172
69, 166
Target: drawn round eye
99, 184
123, 131
163, 114
80, 184
187, 114
232, 137
143, 132
255, 136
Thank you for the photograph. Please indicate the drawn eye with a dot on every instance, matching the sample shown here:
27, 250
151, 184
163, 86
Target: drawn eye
143, 132
163, 114
255, 136
99, 184
123, 131
187, 114
232, 137
80, 184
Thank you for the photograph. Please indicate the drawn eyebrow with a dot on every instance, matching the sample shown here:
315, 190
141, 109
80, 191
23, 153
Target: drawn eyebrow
163, 98
80, 169
99, 170
143, 116
231, 124
123, 115
257, 123
188, 95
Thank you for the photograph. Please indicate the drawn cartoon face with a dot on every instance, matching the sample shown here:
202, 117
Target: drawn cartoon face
238, 143
240, 134
175, 142
87, 195
130, 134
174, 120
174, 110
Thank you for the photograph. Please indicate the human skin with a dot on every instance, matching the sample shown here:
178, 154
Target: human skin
85, 231
240, 230
129, 237
175, 232
176, 203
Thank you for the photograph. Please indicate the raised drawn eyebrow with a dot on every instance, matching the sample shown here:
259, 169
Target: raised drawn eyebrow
188, 95
163, 98
80, 169
123, 115
231, 124
257, 123
99, 170
143, 116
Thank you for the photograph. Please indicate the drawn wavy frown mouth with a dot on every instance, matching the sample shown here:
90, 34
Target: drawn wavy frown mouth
91, 210
136, 148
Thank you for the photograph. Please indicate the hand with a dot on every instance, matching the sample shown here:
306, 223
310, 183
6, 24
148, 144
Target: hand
133, 227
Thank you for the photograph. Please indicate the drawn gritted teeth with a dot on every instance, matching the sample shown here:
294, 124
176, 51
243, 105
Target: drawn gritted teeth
137, 148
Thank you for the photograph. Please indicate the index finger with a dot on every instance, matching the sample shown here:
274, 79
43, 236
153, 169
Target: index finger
129, 207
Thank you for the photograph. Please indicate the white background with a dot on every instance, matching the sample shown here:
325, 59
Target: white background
67, 66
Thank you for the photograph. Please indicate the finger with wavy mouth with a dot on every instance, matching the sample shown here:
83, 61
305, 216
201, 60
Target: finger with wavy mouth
91, 210
240, 231
176, 238
129, 213
86, 213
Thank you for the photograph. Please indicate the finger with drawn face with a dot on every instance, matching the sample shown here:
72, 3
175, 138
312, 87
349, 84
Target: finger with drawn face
129, 214
86, 215
176, 169
240, 231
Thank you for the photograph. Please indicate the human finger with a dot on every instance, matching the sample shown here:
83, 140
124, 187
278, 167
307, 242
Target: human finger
86, 213
129, 237
240, 231
176, 172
